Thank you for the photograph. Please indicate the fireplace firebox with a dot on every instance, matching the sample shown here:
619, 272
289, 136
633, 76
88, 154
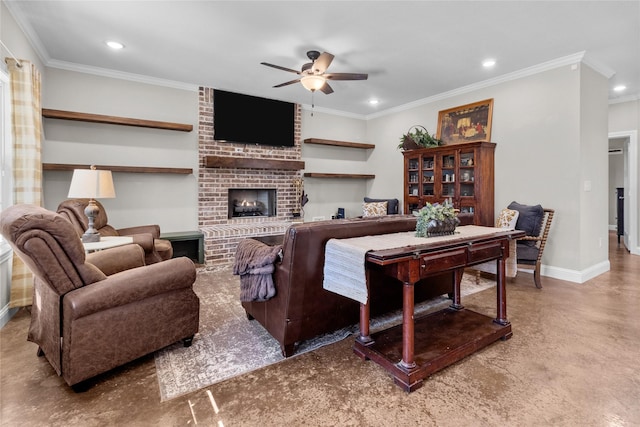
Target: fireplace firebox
252, 202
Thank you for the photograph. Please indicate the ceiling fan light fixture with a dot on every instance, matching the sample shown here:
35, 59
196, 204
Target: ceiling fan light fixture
312, 82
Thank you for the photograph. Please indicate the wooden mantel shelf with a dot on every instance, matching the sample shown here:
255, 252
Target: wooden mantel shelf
133, 169
114, 120
338, 175
339, 143
251, 163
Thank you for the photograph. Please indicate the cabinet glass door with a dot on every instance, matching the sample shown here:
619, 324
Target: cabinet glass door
448, 178
467, 174
428, 177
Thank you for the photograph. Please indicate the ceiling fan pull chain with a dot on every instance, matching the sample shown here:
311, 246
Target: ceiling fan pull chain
313, 93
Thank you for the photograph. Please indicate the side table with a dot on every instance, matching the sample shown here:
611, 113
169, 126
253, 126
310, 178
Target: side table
107, 242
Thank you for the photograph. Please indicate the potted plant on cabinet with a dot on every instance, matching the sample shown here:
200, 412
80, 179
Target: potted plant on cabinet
418, 137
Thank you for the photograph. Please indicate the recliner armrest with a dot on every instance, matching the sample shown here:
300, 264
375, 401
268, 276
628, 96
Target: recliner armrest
114, 260
129, 287
154, 230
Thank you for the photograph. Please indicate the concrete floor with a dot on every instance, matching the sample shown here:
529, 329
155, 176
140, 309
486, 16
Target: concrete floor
572, 361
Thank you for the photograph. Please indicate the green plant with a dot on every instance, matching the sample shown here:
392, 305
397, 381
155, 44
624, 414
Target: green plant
419, 136
436, 218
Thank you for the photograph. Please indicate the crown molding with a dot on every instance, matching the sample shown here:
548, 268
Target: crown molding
525, 72
27, 29
104, 72
622, 99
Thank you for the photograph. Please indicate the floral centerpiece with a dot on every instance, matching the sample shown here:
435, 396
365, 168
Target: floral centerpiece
436, 219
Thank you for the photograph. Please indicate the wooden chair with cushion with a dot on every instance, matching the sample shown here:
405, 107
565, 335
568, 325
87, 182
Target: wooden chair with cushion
530, 248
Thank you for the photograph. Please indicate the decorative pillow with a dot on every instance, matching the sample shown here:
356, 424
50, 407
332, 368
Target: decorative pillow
392, 204
508, 218
529, 220
374, 209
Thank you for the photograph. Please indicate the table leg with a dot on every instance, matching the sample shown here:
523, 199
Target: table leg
501, 294
459, 272
408, 336
364, 337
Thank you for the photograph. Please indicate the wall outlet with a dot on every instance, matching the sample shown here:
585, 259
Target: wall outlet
318, 218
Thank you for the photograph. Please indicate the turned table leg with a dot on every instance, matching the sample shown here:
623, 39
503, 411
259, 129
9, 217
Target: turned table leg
408, 326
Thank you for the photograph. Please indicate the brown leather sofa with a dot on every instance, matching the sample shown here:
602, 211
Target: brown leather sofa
94, 312
302, 308
147, 236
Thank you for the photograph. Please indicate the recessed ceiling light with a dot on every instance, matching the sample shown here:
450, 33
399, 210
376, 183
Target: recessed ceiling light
115, 45
373, 101
488, 63
619, 88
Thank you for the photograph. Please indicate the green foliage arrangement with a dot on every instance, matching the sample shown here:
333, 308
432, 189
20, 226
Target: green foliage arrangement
418, 137
436, 219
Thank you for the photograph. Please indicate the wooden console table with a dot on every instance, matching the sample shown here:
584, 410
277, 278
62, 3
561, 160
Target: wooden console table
419, 347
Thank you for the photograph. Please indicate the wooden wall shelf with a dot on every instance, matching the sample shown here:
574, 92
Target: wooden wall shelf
339, 143
114, 120
251, 163
132, 169
338, 175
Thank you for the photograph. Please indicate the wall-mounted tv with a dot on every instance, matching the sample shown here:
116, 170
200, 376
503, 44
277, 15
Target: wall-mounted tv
252, 120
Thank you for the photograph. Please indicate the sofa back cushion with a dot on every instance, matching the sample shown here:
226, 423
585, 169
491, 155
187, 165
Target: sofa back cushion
303, 256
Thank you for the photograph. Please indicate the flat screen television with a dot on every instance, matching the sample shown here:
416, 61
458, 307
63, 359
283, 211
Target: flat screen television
252, 120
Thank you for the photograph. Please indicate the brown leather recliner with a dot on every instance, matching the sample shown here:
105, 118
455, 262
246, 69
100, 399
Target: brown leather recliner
147, 236
92, 313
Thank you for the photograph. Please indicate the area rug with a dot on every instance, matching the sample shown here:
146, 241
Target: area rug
229, 345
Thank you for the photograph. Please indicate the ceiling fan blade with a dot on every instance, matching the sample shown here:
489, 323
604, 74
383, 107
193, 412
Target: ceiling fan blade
280, 68
326, 89
288, 83
322, 63
345, 76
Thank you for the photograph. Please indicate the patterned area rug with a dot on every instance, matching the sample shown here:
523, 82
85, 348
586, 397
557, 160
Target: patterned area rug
229, 345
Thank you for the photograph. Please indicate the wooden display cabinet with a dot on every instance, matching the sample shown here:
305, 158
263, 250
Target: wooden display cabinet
462, 173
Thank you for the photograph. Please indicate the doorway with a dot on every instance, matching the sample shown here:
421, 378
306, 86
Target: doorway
623, 153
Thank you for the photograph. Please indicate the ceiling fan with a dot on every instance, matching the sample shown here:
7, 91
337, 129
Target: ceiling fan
313, 76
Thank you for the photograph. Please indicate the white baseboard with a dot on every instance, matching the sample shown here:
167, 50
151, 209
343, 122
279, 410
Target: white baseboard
6, 314
575, 276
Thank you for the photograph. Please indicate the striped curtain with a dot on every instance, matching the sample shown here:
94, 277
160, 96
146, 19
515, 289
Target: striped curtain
26, 121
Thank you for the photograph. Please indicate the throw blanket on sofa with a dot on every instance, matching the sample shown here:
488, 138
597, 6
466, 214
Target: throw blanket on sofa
254, 263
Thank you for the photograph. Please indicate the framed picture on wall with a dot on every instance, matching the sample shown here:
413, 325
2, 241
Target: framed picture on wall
466, 123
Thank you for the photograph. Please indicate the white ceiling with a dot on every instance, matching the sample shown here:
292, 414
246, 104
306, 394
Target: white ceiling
411, 50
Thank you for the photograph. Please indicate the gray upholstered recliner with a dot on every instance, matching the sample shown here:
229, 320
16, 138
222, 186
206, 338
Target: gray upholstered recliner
92, 313
147, 236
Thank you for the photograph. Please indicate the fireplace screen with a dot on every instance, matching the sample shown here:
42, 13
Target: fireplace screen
248, 202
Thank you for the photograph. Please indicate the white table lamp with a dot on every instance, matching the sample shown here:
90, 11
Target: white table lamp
92, 184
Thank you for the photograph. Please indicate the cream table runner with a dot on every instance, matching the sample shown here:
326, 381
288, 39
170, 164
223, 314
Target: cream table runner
344, 259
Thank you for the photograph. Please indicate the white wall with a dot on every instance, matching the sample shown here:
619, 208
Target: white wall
536, 125
169, 200
326, 195
594, 162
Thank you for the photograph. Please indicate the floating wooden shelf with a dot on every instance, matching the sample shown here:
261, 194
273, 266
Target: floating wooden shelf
251, 163
132, 169
339, 143
98, 118
338, 175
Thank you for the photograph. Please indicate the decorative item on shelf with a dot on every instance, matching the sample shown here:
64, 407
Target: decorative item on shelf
417, 137
301, 198
437, 219
91, 184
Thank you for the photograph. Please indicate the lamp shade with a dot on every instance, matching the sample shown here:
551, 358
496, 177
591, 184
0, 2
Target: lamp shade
91, 184
312, 82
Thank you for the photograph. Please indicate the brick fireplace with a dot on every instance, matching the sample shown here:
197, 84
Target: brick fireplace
229, 166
